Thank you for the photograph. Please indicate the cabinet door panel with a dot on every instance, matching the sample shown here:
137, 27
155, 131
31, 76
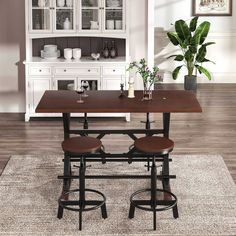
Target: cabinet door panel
40, 16
37, 90
111, 83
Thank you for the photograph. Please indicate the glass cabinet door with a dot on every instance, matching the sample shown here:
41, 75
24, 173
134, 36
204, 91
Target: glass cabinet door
40, 19
65, 84
65, 15
90, 15
114, 15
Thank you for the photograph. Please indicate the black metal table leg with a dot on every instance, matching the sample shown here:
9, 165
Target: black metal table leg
166, 124
85, 121
66, 125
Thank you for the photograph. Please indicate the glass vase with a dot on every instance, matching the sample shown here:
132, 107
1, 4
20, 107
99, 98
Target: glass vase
147, 94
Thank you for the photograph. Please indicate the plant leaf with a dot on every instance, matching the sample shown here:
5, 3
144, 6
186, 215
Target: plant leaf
175, 73
209, 43
179, 58
207, 60
203, 30
195, 40
204, 71
193, 49
173, 37
201, 54
188, 56
182, 30
193, 24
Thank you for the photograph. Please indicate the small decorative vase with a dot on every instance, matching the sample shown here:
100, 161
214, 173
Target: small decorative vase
105, 51
67, 24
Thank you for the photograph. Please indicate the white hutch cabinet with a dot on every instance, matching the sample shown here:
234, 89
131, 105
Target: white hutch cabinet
85, 24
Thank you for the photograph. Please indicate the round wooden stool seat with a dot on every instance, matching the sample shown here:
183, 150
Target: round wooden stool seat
81, 145
154, 145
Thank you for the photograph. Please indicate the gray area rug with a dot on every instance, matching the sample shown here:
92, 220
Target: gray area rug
29, 190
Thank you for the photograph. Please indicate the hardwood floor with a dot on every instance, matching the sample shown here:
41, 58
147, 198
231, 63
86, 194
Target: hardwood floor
212, 132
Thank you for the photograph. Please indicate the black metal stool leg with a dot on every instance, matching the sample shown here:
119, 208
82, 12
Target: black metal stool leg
66, 182
104, 211
80, 219
175, 212
131, 211
82, 189
154, 190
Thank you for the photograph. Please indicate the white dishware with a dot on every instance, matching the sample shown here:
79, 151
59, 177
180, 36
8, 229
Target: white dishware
41, 3
76, 53
60, 3
68, 53
69, 3
67, 24
110, 24
94, 25
118, 24
50, 48
95, 56
50, 55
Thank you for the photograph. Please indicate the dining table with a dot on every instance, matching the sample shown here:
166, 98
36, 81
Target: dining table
163, 101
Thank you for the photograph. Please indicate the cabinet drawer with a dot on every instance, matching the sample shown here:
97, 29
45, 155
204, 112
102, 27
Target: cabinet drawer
77, 71
113, 70
39, 71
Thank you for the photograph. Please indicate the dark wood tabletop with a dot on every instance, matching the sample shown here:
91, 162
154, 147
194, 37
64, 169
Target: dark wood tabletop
164, 101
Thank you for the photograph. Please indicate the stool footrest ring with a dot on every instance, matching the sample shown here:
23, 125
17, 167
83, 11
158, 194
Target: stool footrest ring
169, 204
67, 204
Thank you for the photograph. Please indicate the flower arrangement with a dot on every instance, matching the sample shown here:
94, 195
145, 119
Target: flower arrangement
150, 77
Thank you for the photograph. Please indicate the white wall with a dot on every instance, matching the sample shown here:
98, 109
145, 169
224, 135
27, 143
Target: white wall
223, 32
12, 49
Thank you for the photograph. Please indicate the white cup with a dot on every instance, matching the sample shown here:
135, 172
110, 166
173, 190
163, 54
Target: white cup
76, 53
110, 24
68, 53
118, 24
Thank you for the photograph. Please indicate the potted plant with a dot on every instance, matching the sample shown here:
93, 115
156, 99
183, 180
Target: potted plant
191, 40
149, 76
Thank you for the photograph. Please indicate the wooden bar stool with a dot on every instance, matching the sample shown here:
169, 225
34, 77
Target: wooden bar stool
158, 147
79, 146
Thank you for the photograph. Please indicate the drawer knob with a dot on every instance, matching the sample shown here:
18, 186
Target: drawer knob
40, 70
89, 70
114, 70
65, 70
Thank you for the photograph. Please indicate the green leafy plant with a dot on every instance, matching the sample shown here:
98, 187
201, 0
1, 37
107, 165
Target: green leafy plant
149, 76
191, 40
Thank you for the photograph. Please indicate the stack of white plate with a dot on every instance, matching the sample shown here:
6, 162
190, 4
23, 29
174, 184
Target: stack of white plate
50, 52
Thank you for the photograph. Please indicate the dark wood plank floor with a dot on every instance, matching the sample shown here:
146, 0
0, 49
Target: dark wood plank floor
212, 132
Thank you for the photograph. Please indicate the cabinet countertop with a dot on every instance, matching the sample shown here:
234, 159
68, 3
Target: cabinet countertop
83, 60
